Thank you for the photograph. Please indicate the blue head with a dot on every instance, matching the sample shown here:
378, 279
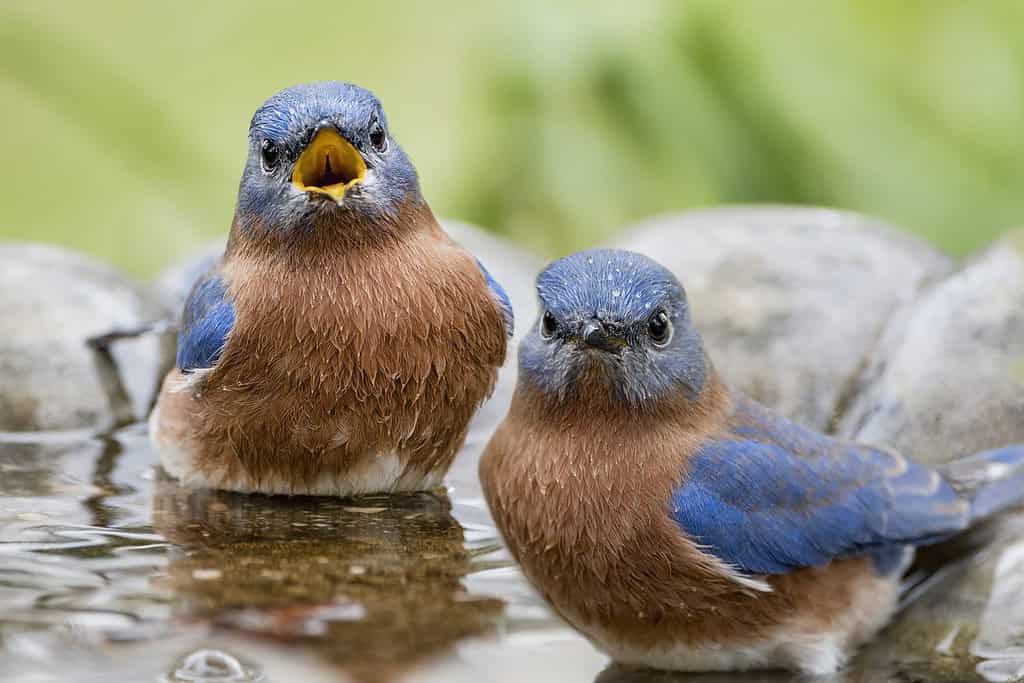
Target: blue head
613, 322
322, 152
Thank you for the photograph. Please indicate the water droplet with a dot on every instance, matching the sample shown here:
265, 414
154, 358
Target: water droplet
214, 666
616, 293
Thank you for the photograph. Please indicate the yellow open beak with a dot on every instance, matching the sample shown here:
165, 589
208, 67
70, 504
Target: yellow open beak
329, 165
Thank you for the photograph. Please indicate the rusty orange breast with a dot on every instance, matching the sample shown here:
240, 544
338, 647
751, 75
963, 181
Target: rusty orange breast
343, 354
581, 498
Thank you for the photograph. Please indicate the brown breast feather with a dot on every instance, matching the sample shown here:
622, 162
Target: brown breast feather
342, 350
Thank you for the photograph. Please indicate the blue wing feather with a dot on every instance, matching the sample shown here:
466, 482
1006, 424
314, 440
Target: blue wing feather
772, 497
206, 321
502, 297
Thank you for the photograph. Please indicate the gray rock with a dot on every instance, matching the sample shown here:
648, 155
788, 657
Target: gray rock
175, 283
51, 301
948, 379
515, 268
790, 300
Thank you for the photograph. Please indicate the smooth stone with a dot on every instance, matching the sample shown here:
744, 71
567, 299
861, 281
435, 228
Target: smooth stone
51, 301
175, 283
512, 266
791, 301
948, 378
948, 381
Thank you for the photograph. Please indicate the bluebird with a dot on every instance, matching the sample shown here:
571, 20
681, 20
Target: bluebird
680, 525
343, 342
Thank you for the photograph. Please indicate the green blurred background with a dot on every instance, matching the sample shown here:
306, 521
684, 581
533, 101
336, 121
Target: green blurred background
124, 123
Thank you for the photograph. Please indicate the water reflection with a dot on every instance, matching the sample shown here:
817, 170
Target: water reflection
622, 674
32, 469
372, 585
1000, 641
103, 514
109, 572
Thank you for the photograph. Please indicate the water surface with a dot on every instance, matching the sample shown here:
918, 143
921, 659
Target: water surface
109, 571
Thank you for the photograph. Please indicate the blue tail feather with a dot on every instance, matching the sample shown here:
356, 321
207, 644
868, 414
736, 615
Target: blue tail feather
992, 480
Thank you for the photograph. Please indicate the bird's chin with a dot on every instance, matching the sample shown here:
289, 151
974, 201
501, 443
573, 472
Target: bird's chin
355, 208
325, 203
598, 369
327, 206
600, 360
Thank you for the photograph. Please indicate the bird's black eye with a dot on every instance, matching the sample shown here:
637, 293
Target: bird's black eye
548, 325
378, 138
660, 329
268, 156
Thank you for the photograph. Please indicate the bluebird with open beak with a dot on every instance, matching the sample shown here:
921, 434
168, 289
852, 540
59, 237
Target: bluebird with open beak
343, 342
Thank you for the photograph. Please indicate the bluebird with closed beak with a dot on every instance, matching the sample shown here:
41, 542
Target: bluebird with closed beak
344, 341
680, 525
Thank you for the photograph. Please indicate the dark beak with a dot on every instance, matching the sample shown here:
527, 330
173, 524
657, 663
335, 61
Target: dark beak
597, 336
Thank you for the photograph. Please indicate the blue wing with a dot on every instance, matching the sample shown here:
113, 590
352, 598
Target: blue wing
771, 497
207, 319
503, 301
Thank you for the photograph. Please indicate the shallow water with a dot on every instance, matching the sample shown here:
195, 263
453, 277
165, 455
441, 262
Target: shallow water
111, 572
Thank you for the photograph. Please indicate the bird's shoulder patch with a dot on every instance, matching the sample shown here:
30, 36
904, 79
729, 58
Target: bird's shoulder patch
504, 303
206, 321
